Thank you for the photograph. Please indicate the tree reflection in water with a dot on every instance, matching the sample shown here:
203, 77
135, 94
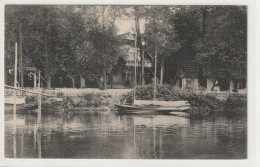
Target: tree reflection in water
84, 135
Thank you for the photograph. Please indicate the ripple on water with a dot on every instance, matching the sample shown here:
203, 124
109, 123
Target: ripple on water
126, 136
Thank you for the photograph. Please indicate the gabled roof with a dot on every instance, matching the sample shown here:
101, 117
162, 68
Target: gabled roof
31, 69
128, 36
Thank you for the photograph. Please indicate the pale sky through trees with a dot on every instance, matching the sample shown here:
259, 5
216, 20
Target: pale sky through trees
126, 24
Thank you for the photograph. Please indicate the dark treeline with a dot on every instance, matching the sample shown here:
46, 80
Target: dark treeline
65, 41
215, 36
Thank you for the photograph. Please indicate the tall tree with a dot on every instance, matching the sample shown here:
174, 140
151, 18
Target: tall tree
136, 13
223, 47
161, 33
62, 40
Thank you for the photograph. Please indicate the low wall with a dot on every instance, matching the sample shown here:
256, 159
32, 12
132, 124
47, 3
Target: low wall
10, 92
221, 95
79, 92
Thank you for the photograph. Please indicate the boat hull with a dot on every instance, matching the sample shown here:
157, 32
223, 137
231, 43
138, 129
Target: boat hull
146, 109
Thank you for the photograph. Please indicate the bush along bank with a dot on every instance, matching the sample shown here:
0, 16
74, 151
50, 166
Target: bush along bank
236, 104
86, 102
202, 104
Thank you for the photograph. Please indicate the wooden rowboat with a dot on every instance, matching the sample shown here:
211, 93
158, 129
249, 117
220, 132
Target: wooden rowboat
142, 106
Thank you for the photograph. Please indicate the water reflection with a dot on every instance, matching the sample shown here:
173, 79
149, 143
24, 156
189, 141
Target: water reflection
14, 129
160, 121
155, 125
83, 135
38, 136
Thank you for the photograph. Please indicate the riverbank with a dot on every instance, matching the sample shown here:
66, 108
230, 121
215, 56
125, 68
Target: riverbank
89, 102
202, 103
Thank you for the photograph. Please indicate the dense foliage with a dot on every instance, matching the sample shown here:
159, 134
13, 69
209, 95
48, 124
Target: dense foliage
236, 104
64, 41
222, 48
215, 36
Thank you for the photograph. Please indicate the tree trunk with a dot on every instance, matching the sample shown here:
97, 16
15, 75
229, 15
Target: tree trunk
48, 80
155, 78
111, 80
105, 77
214, 84
34, 81
6, 73
104, 65
21, 57
47, 67
142, 66
203, 20
162, 70
139, 42
82, 82
73, 82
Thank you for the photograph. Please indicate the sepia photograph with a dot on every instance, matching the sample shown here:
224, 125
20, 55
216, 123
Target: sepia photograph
125, 81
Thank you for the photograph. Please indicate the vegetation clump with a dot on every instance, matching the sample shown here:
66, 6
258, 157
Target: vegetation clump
31, 99
171, 93
86, 102
236, 105
198, 99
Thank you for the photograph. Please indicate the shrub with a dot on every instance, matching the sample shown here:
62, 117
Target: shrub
88, 97
87, 100
30, 99
170, 93
128, 98
236, 103
235, 90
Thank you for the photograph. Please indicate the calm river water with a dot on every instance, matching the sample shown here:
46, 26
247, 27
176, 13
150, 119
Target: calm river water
74, 135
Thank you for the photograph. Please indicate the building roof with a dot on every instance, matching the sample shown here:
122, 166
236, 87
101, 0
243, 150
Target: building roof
31, 69
128, 36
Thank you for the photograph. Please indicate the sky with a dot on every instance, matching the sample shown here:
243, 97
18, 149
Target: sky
126, 24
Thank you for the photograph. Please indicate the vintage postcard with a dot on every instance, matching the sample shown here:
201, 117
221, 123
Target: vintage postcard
125, 82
